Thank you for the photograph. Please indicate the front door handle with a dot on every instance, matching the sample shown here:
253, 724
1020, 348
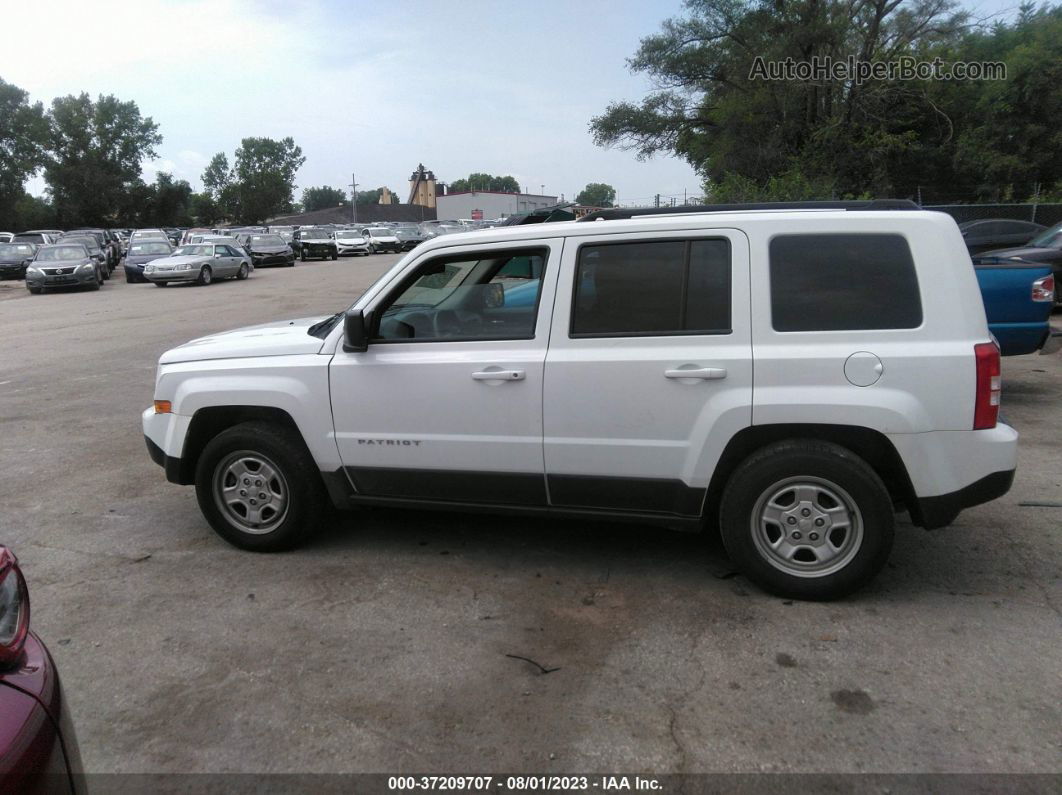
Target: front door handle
704, 373
499, 375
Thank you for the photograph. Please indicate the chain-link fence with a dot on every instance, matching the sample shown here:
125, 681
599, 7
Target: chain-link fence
1046, 214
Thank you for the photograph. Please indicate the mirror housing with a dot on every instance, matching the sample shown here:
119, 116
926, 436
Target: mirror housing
355, 331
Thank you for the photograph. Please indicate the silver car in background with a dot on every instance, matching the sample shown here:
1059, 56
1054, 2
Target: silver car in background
201, 263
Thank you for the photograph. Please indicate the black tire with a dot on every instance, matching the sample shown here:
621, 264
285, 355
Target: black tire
94, 286
159, 284
35, 290
129, 279
278, 447
206, 276
106, 273
335, 256
243, 272
864, 545
302, 256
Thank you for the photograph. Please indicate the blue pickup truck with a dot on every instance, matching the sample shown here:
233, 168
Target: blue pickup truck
1018, 297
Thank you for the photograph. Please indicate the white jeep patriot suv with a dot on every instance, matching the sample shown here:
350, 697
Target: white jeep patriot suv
790, 374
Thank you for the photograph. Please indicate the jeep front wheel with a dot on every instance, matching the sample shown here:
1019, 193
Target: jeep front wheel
258, 487
807, 519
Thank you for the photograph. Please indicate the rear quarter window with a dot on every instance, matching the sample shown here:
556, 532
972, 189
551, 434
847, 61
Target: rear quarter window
843, 282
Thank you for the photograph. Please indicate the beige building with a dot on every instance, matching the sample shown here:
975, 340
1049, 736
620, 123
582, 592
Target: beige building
422, 187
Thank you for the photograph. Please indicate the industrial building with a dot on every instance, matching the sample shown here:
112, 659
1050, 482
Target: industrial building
484, 204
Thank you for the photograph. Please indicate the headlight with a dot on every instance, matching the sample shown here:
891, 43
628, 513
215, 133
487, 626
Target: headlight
34, 270
88, 265
183, 267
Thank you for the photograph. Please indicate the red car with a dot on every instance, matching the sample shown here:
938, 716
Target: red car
38, 747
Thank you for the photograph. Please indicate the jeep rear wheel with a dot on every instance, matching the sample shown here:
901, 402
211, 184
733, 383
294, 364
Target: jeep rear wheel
807, 519
258, 487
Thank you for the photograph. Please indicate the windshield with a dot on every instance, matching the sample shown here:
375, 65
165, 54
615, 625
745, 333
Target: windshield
348, 234
61, 254
315, 234
149, 248
194, 251
267, 240
15, 250
88, 242
1052, 238
380, 232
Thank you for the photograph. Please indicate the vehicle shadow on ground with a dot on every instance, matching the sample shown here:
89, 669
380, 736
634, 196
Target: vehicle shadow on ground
922, 565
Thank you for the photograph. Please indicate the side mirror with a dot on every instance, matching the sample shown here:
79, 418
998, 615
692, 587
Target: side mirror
355, 332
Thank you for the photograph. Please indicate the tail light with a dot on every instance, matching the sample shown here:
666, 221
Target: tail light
1044, 289
14, 609
986, 403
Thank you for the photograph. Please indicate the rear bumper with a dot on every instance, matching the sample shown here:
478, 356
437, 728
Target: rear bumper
953, 470
940, 511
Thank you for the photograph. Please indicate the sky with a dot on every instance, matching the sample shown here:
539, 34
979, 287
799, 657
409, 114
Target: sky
365, 87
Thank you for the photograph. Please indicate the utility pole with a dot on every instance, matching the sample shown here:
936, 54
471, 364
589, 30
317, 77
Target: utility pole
354, 198
658, 200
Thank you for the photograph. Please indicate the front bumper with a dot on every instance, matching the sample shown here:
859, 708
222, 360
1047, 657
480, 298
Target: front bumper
172, 276
272, 259
80, 279
9, 269
362, 248
164, 435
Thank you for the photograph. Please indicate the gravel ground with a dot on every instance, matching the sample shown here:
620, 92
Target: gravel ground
391, 643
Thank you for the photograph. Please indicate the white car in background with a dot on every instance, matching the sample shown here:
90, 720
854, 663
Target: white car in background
351, 241
382, 238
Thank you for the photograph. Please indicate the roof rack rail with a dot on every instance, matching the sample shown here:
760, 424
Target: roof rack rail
618, 213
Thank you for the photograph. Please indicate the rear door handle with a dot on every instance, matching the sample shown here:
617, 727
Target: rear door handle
704, 373
499, 375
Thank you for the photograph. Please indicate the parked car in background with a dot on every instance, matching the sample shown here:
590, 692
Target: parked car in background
314, 242
381, 238
268, 249
1045, 248
409, 235
38, 745
64, 265
351, 241
38, 238
201, 263
5, 237
140, 254
188, 234
14, 258
993, 233
92, 243
1018, 297
173, 233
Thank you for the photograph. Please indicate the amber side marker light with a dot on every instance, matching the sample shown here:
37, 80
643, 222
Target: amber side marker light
163, 407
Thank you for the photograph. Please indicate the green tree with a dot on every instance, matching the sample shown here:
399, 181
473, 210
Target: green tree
23, 138
323, 197
263, 174
597, 194
167, 203
484, 182
204, 209
712, 109
94, 157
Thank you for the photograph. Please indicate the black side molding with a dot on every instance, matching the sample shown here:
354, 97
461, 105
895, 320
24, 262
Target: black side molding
940, 511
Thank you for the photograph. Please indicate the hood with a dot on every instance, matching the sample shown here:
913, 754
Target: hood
317, 240
170, 262
1031, 253
269, 249
282, 338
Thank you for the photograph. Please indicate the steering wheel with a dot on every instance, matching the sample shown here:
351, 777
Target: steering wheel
455, 323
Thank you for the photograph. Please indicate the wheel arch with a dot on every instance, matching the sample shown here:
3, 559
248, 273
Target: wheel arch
872, 446
208, 422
